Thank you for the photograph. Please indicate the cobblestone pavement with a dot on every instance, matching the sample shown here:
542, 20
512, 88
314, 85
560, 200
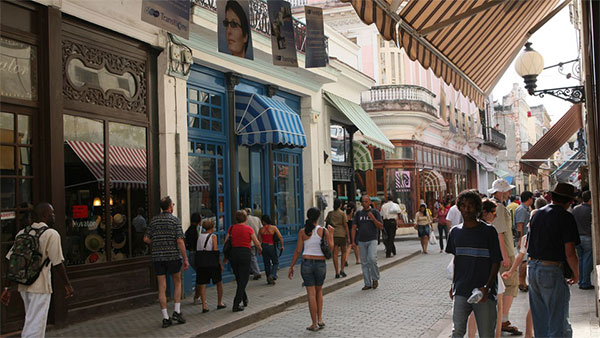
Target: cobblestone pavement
412, 297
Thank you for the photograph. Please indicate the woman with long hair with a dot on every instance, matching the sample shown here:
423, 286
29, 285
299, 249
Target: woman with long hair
350, 209
313, 268
423, 226
266, 236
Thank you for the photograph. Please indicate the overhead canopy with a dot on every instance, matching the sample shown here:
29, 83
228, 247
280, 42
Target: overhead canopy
432, 180
558, 135
570, 167
263, 120
480, 160
359, 117
469, 44
127, 165
501, 173
362, 157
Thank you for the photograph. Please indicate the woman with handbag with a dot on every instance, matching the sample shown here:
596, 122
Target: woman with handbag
208, 264
423, 226
241, 236
267, 235
314, 242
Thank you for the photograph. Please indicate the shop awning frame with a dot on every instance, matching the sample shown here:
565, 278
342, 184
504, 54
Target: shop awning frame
480, 160
361, 120
362, 157
432, 180
564, 171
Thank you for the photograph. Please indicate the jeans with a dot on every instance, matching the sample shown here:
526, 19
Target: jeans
549, 297
254, 269
586, 265
270, 259
485, 316
442, 229
240, 263
313, 272
368, 261
389, 225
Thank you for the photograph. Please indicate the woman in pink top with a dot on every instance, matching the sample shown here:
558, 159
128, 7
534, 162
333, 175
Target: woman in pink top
443, 224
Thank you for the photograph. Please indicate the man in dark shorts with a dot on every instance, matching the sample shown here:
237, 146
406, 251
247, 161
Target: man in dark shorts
165, 235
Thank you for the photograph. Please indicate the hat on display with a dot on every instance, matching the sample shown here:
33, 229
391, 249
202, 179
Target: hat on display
118, 221
564, 190
94, 242
118, 240
117, 256
93, 226
95, 257
500, 185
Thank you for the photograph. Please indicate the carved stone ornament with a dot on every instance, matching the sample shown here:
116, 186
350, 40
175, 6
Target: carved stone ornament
95, 76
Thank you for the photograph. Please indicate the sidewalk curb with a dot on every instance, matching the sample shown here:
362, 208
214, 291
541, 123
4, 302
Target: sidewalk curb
290, 301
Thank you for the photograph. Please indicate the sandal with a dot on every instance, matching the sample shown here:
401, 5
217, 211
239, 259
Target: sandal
219, 307
321, 325
313, 328
523, 288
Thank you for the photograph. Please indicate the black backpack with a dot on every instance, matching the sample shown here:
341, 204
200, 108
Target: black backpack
25, 263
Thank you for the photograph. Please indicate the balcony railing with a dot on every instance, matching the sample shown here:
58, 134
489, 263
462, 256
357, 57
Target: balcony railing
494, 137
398, 93
259, 21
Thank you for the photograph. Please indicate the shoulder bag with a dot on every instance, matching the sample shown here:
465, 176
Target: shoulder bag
325, 245
227, 245
204, 258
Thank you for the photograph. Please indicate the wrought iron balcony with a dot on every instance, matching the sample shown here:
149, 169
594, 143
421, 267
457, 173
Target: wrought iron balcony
259, 21
494, 138
399, 98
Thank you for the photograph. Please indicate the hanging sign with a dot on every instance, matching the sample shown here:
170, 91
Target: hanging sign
80, 211
316, 55
172, 16
233, 28
402, 179
283, 43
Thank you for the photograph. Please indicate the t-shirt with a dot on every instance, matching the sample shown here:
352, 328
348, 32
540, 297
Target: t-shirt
255, 223
502, 223
50, 248
338, 219
241, 235
139, 223
422, 219
583, 217
522, 216
365, 227
454, 216
390, 210
163, 231
475, 250
551, 227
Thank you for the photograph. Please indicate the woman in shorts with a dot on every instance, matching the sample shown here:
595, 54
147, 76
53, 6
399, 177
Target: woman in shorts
313, 268
208, 264
423, 226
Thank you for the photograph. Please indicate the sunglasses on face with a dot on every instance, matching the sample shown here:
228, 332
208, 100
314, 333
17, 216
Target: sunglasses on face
231, 24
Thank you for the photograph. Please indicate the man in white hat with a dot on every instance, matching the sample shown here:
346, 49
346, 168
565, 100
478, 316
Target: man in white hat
500, 192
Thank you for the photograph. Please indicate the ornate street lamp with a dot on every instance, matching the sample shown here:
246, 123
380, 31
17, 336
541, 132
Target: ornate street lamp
531, 63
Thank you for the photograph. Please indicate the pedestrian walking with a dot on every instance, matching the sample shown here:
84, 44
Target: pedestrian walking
313, 268
522, 217
523, 245
36, 292
208, 264
350, 211
367, 222
242, 235
423, 226
553, 236
583, 217
255, 223
165, 235
442, 224
477, 255
191, 240
266, 236
338, 220
139, 228
453, 217
500, 191
389, 213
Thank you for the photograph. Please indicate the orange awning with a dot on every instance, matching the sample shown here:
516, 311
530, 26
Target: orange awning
469, 44
558, 135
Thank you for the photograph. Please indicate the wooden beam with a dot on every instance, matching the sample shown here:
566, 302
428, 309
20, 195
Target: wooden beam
460, 17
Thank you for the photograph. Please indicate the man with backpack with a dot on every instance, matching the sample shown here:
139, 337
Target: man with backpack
36, 249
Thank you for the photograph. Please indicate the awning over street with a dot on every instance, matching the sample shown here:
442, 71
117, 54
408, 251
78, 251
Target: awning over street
359, 117
469, 44
263, 120
501, 173
362, 157
570, 166
558, 135
480, 160
432, 180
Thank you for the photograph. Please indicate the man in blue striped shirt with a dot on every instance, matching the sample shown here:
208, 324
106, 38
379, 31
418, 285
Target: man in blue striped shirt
477, 258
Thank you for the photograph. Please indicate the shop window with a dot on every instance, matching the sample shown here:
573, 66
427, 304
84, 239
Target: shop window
19, 70
377, 154
205, 110
400, 187
402, 153
288, 192
380, 181
340, 144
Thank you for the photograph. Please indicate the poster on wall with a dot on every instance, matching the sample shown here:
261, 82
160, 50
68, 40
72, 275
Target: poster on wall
172, 16
234, 33
283, 43
402, 180
316, 54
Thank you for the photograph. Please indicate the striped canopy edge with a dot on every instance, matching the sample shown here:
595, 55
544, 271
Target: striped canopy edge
362, 156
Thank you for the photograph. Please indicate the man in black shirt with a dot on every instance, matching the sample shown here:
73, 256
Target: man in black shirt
552, 240
583, 217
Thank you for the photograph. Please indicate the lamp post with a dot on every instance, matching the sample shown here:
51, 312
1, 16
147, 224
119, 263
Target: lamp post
531, 63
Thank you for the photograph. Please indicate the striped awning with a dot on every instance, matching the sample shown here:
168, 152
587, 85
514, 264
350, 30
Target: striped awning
553, 139
127, 165
469, 44
570, 166
264, 120
362, 157
432, 180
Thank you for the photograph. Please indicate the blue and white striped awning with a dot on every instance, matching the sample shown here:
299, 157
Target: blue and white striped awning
263, 120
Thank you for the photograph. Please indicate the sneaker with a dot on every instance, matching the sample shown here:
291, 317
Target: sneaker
513, 330
337, 275
589, 287
178, 317
342, 273
270, 280
366, 288
375, 284
166, 323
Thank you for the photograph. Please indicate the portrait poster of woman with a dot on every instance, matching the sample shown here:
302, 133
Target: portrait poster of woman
234, 33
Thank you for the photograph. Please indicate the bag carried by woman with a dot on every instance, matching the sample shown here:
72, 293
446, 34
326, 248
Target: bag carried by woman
207, 258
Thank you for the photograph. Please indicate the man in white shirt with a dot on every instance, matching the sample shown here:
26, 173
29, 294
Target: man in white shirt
36, 297
454, 216
255, 223
389, 212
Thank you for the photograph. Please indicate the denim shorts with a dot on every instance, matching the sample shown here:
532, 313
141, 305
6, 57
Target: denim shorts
313, 272
423, 230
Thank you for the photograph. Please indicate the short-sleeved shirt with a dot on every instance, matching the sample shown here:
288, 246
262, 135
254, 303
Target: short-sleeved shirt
49, 248
522, 216
475, 250
255, 223
503, 225
454, 216
583, 217
241, 236
365, 227
390, 210
139, 223
338, 219
163, 231
551, 227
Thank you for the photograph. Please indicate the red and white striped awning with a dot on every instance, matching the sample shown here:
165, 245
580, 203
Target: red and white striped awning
127, 165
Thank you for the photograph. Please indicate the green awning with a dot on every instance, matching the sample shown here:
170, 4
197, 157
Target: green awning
362, 157
359, 117
501, 173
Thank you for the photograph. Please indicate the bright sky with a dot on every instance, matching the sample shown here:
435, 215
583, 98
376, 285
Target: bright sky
557, 41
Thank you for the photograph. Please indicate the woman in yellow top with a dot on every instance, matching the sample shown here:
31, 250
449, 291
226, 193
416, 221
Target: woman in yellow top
423, 226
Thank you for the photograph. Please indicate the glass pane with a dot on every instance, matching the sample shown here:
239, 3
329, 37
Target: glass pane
83, 129
81, 75
25, 165
7, 188
256, 181
8, 224
204, 199
205, 124
399, 185
244, 178
199, 148
215, 100
193, 108
25, 191
24, 136
205, 110
7, 128
204, 97
19, 70
193, 94
216, 126
193, 122
216, 113
7, 160
210, 149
